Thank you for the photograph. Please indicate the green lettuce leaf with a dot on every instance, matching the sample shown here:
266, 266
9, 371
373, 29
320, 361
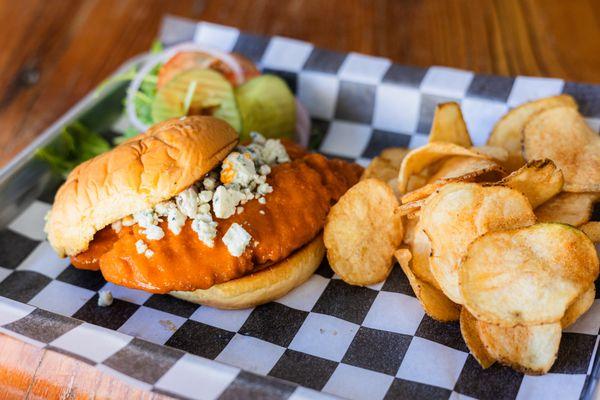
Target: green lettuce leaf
75, 144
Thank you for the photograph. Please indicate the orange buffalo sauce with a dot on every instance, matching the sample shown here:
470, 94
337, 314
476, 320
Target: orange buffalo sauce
294, 213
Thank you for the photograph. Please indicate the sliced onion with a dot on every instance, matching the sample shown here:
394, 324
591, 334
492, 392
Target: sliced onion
302, 124
154, 60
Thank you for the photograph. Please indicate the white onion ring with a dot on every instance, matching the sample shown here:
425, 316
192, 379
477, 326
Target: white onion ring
154, 60
302, 124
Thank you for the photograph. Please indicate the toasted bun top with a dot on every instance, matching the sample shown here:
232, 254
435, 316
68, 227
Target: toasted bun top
135, 176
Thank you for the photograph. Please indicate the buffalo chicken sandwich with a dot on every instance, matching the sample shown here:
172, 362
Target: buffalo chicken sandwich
184, 209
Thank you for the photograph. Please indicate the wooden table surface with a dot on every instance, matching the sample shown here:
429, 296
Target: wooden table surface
55, 51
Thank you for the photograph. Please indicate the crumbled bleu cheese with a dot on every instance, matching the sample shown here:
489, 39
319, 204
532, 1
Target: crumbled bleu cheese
258, 179
209, 183
239, 210
206, 229
238, 168
274, 152
236, 239
187, 202
162, 209
128, 221
146, 218
205, 196
204, 208
262, 200
175, 220
264, 188
140, 246
117, 226
225, 201
105, 298
153, 232
149, 220
264, 169
257, 138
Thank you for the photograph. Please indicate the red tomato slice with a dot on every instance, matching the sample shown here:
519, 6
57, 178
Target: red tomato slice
185, 60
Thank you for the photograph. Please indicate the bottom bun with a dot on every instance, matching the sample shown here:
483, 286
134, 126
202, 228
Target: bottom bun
262, 286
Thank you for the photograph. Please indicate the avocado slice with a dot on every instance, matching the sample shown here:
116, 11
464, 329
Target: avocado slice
267, 106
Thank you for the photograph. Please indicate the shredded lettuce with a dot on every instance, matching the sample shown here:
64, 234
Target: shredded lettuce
144, 97
75, 144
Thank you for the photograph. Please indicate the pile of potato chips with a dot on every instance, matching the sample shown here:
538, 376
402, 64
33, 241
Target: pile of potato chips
498, 237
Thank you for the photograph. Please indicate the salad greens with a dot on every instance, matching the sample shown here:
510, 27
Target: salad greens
74, 145
263, 103
145, 96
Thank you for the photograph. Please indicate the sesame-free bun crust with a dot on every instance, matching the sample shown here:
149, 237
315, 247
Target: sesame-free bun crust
264, 285
135, 176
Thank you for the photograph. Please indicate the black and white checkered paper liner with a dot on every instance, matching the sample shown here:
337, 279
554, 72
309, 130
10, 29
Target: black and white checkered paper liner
325, 338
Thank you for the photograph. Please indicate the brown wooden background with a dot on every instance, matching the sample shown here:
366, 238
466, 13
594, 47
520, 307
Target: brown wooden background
52, 52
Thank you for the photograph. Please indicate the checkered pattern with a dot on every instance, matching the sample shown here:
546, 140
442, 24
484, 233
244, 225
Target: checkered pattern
325, 338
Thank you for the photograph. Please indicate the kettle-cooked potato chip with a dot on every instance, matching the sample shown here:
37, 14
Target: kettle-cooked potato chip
579, 307
420, 249
562, 135
410, 228
458, 213
464, 167
526, 276
410, 208
362, 232
568, 208
457, 169
508, 131
394, 155
417, 197
418, 159
434, 302
380, 168
495, 152
538, 180
449, 126
529, 349
470, 334
592, 230
386, 166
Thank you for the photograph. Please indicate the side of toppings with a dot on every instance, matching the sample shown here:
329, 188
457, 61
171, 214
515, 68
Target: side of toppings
220, 194
236, 239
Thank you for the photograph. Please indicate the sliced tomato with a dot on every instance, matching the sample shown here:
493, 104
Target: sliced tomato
186, 60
